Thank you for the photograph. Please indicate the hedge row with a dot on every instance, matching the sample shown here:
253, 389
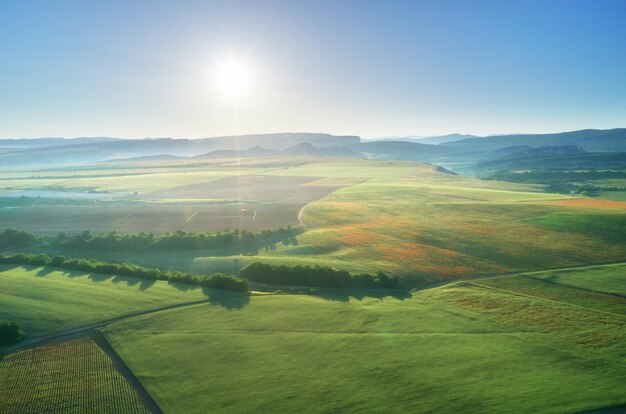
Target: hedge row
317, 276
217, 280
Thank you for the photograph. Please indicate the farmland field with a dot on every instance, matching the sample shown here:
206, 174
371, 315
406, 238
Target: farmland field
197, 196
68, 377
499, 345
503, 344
407, 218
157, 217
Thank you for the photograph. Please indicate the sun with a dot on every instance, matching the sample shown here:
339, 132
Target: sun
234, 78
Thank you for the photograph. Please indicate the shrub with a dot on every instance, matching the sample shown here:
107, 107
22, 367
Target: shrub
10, 333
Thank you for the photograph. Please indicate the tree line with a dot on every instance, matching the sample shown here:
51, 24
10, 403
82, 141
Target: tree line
316, 276
179, 240
15, 238
216, 280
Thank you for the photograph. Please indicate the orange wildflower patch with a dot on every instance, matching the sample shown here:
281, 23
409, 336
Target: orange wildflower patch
354, 236
402, 251
446, 271
447, 252
590, 203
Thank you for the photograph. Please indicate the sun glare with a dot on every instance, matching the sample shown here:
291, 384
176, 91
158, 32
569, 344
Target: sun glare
234, 78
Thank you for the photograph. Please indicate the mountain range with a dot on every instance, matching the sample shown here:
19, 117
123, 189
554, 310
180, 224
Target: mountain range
447, 150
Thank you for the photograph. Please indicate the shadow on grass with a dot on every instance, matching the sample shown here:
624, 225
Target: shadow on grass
231, 303
344, 295
10, 266
96, 277
142, 284
145, 284
337, 295
45, 271
218, 297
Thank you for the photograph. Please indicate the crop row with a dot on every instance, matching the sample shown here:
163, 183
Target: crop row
70, 377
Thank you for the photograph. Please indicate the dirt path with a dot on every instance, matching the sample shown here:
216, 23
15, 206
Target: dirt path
82, 330
516, 273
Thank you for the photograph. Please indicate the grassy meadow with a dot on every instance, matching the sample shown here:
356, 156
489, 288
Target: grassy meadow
77, 298
429, 226
499, 345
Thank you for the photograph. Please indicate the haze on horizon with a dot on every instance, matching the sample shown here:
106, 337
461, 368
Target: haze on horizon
193, 69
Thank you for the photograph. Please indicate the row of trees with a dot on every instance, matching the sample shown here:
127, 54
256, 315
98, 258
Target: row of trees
317, 276
179, 240
217, 280
10, 333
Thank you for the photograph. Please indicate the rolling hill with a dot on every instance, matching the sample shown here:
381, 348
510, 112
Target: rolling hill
589, 139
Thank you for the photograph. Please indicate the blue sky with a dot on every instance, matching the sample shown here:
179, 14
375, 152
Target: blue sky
371, 68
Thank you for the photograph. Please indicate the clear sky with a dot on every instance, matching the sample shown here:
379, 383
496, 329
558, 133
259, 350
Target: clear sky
371, 68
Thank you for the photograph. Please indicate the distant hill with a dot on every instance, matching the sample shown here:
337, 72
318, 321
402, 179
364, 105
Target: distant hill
455, 151
279, 141
250, 152
610, 140
303, 149
51, 142
307, 149
433, 140
160, 157
58, 151
553, 158
543, 152
442, 139
402, 150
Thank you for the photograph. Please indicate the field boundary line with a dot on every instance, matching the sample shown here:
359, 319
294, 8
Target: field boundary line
551, 282
528, 273
120, 365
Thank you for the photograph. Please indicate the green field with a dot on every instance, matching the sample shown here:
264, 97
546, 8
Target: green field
68, 377
468, 347
549, 341
406, 218
46, 300
431, 227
